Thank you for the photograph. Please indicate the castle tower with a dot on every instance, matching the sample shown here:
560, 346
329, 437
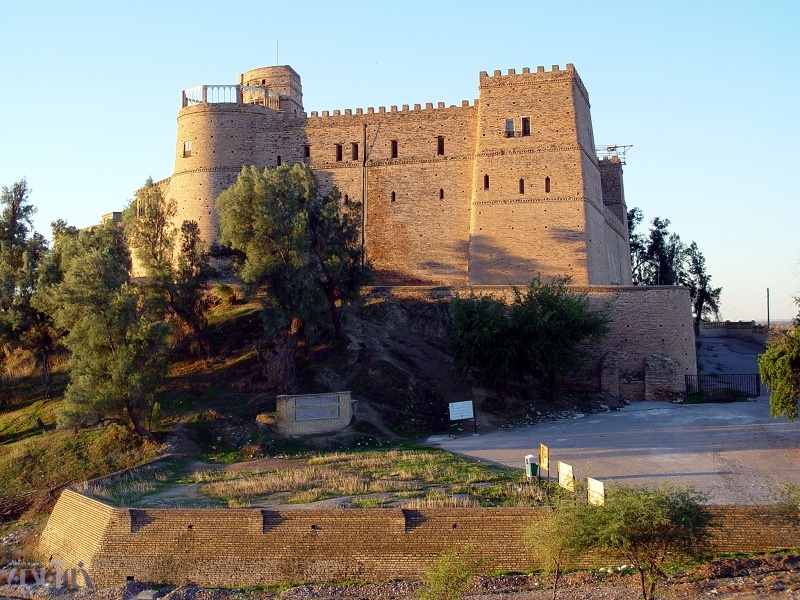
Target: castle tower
283, 81
537, 200
222, 128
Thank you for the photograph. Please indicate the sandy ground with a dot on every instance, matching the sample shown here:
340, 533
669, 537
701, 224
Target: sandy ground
734, 451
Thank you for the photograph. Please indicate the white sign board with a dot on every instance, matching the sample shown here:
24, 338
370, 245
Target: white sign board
565, 478
596, 492
461, 410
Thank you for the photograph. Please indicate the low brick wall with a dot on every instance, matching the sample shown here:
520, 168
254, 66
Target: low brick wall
239, 547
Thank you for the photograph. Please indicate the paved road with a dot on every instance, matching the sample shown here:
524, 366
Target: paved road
736, 452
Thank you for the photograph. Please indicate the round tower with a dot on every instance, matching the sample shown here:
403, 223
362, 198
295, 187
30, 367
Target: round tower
222, 128
281, 80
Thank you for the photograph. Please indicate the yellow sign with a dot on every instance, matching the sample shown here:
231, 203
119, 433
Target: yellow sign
544, 458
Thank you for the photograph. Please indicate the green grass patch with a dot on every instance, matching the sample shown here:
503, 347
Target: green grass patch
57, 457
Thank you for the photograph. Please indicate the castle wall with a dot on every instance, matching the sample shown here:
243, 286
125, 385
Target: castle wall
649, 347
421, 236
447, 224
246, 547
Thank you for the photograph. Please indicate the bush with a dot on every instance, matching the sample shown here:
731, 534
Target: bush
449, 577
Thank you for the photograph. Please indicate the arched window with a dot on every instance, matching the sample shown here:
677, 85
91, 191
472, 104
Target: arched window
441, 193
279, 160
394, 197
547, 185
346, 198
521, 186
486, 182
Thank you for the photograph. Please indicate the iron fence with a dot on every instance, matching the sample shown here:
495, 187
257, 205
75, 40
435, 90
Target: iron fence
747, 383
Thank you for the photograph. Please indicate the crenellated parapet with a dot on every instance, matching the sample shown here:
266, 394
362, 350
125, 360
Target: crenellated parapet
528, 77
404, 108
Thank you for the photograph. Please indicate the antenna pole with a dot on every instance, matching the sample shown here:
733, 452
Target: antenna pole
277, 60
767, 310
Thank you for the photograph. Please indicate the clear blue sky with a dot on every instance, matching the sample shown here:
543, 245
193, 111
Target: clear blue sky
707, 93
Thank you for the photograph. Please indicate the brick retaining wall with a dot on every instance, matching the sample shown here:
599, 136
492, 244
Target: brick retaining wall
236, 547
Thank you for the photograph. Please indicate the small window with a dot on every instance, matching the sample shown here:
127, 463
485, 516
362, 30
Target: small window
354, 151
279, 161
346, 198
306, 151
547, 185
338, 153
187, 149
526, 125
521, 186
440, 145
394, 148
441, 193
509, 127
394, 197
486, 182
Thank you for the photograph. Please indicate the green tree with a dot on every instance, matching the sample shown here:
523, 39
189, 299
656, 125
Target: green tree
638, 246
481, 341
21, 252
118, 349
544, 332
705, 298
174, 262
559, 539
334, 230
449, 577
302, 247
664, 254
780, 370
648, 528
552, 326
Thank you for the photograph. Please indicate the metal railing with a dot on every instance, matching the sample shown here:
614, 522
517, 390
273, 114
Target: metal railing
746, 383
230, 94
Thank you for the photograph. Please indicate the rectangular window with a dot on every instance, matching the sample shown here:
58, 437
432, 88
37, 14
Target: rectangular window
526, 125
354, 150
187, 149
394, 148
338, 153
509, 127
306, 151
440, 145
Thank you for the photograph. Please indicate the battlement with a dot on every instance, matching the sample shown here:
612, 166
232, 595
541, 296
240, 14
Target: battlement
405, 108
528, 77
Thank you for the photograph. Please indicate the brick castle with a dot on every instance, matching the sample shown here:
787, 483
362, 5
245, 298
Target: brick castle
480, 196
489, 192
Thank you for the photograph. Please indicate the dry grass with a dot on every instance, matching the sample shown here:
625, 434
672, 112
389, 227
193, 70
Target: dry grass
438, 499
429, 466
327, 481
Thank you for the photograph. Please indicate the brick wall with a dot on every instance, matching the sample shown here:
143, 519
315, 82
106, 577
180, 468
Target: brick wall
255, 547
